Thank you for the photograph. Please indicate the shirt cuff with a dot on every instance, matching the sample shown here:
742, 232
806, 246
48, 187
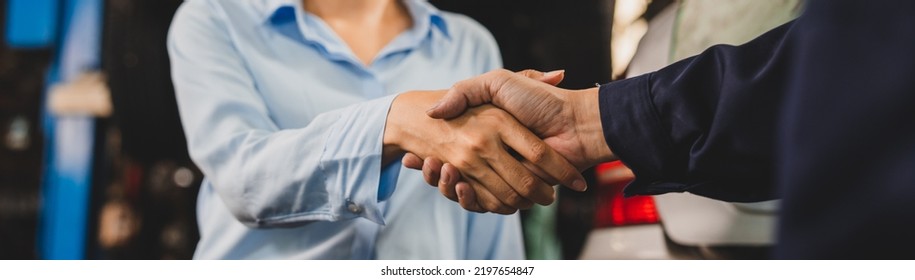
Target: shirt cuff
388, 181
635, 133
351, 161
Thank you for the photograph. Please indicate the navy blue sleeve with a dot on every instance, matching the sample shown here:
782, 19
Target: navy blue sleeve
705, 124
819, 112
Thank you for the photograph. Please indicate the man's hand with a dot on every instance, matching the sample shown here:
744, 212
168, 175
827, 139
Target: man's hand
567, 120
477, 143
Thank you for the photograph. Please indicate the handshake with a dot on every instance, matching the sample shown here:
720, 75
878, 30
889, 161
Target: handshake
498, 142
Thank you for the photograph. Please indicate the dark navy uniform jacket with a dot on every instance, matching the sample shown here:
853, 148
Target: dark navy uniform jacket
819, 112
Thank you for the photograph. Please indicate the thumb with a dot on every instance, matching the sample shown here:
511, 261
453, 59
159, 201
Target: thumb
482, 89
468, 93
552, 78
453, 104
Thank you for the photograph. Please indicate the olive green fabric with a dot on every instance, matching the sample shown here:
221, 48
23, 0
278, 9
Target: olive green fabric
703, 23
540, 237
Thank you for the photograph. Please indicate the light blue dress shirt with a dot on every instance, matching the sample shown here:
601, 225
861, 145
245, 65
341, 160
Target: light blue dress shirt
286, 124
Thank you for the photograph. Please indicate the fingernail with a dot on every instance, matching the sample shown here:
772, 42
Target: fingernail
439, 103
554, 72
460, 193
444, 179
580, 185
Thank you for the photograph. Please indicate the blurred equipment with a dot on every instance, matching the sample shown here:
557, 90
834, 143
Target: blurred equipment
31, 24
22, 72
86, 95
139, 77
113, 179
67, 181
149, 188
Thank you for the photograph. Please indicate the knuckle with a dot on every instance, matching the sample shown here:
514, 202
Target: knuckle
566, 174
538, 153
479, 145
530, 73
463, 163
514, 199
528, 186
503, 74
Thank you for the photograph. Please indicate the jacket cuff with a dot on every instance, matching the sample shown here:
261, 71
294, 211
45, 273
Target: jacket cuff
635, 134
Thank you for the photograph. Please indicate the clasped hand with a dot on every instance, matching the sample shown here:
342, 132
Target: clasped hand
504, 156
487, 144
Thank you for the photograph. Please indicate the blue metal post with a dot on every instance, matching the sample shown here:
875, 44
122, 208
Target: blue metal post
67, 180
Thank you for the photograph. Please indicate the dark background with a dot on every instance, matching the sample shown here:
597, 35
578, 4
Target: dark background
21, 84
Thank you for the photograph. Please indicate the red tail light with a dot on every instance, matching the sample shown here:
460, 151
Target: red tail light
615, 210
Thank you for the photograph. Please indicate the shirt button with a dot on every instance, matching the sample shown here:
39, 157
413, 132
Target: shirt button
353, 208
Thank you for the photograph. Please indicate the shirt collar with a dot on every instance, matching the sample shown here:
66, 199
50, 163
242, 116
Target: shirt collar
428, 23
269, 7
424, 14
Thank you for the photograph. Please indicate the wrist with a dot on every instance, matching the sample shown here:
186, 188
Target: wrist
586, 108
405, 117
390, 147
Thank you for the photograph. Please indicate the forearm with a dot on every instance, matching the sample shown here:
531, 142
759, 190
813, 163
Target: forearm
406, 114
277, 178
